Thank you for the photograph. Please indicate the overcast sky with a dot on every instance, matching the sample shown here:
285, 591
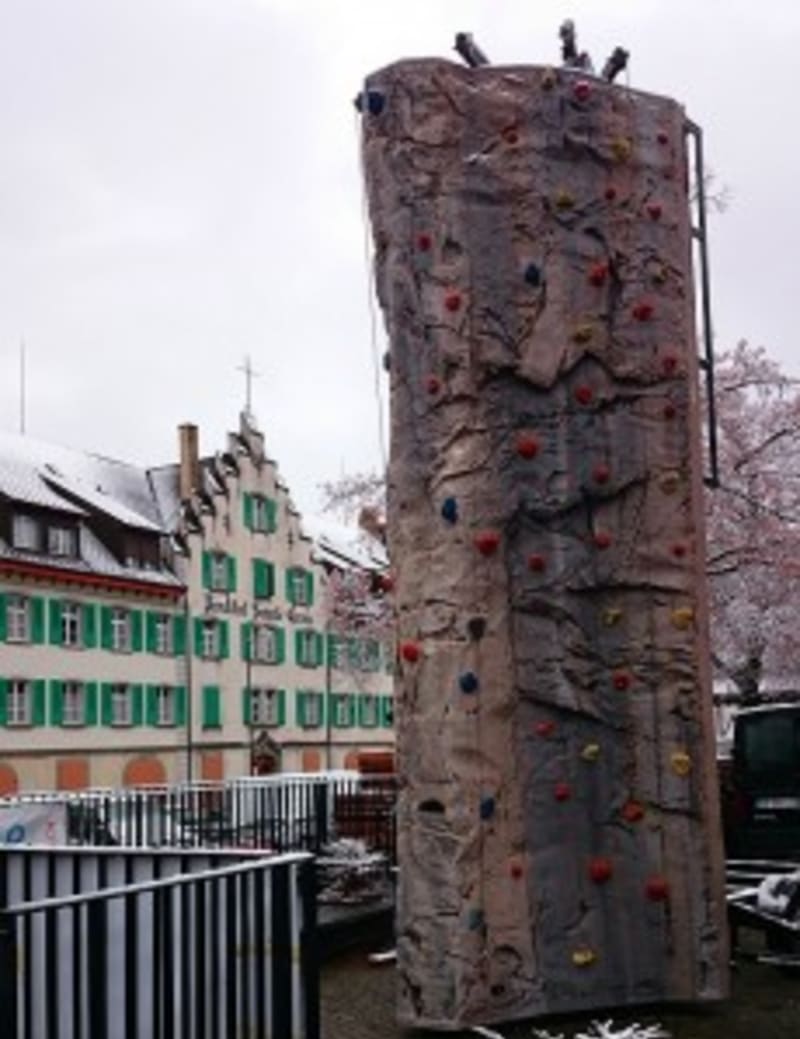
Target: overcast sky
179, 185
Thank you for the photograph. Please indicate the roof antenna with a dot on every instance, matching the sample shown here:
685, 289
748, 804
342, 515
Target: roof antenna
469, 50
22, 386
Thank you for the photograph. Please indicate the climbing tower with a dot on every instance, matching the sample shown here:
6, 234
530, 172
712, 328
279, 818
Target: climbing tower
558, 821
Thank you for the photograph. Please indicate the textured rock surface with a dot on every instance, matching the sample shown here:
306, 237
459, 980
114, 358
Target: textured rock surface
559, 834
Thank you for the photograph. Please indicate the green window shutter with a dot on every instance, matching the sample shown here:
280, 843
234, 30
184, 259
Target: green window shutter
206, 569
281, 707
353, 654
224, 640
280, 646
246, 640
231, 564
90, 703
106, 712
136, 631
56, 701
351, 708
198, 636
212, 712
272, 515
333, 650
299, 648
89, 626
319, 649
247, 714
151, 705
373, 655
179, 635
300, 708
289, 585
54, 622
106, 639
270, 580
3, 700
387, 712
261, 582
309, 588
39, 702
180, 705
37, 619
150, 631
137, 704
333, 713
3, 607
322, 707
247, 510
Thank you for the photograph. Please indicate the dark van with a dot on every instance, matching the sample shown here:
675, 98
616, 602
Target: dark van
762, 804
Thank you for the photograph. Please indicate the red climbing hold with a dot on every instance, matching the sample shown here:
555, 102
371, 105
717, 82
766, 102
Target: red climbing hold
510, 135
487, 542
410, 652
662, 137
582, 90
670, 411
621, 680
452, 301
602, 539
433, 384
386, 583
643, 311
679, 550
654, 210
669, 364
610, 193
527, 446
584, 394
424, 242
536, 563
545, 729
657, 889
516, 870
562, 791
601, 473
633, 812
600, 870
598, 274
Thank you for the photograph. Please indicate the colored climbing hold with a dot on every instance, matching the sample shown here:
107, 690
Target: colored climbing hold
611, 616
633, 812
583, 957
387, 361
583, 333
621, 149
533, 276
536, 563
487, 808
669, 364
450, 510
452, 301
386, 583
564, 200
476, 626
598, 273
682, 617
545, 729
670, 482
516, 870
433, 384
468, 682
487, 542
591, 752
410, 651
679, 550
582, 90
681, 763
670, 411
583, 394
662, 137
654, 210
548, 79
510, 135
621, 680
660, 275
643, 311
600, 870
562, 791
602, 539
527, 445
373, 100
610, 193
657, 889
601, 473
475, 919
424, 242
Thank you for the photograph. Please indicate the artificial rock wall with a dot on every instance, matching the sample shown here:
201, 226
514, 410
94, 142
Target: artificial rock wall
559, 838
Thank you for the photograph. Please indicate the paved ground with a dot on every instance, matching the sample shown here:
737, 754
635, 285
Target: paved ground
358, 1003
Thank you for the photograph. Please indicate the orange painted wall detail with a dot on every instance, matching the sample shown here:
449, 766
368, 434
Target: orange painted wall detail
9, 783
72, 773
144, 771
311, 760
212, 766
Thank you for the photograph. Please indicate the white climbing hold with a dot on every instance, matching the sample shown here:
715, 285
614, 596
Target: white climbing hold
606, 1030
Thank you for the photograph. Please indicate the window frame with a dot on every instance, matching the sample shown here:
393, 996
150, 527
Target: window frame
76, 715
18, 605
35, 526
372, 701
268, 697
121, 620
165, 695
68, 549
299, 581
264, 630
210, 650
68, 608
218, 565
121, 692
17, 686
164, 635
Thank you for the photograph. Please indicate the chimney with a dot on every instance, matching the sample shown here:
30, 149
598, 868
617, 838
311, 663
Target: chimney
189, 460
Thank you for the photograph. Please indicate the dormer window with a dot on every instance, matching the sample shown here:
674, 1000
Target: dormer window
62, 541
26, 533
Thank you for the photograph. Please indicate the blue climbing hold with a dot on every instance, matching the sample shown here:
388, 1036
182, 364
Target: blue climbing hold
475, 919
533, 275
487, 807
450, 510
468, 682
373, 100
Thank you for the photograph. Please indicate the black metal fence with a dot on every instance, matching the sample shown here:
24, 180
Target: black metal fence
225, 951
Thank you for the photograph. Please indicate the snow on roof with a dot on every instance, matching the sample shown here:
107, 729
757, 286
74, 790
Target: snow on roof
342, 545
22, 483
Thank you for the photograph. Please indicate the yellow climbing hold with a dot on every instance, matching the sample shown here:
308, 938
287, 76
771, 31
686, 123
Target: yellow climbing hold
548, 79
670, 482
682, 617
564, 200
660, 275
621, 149
681, 763
583, 957
611, 616
583, 333
591, 752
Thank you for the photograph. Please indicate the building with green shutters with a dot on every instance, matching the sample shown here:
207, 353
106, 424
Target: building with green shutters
171, 623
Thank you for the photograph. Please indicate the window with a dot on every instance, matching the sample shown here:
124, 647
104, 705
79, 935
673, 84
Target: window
219, 571
162, 630
336, 648
62, 541
71, 624
265, 706
298, 588
18, 704
388, 711
309, 709
120, 630
26, 533
308, 647
165, 705
209, 646
265, 644
369, 710
18, 619
341, 710
262, 514
121, 705
73, 707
